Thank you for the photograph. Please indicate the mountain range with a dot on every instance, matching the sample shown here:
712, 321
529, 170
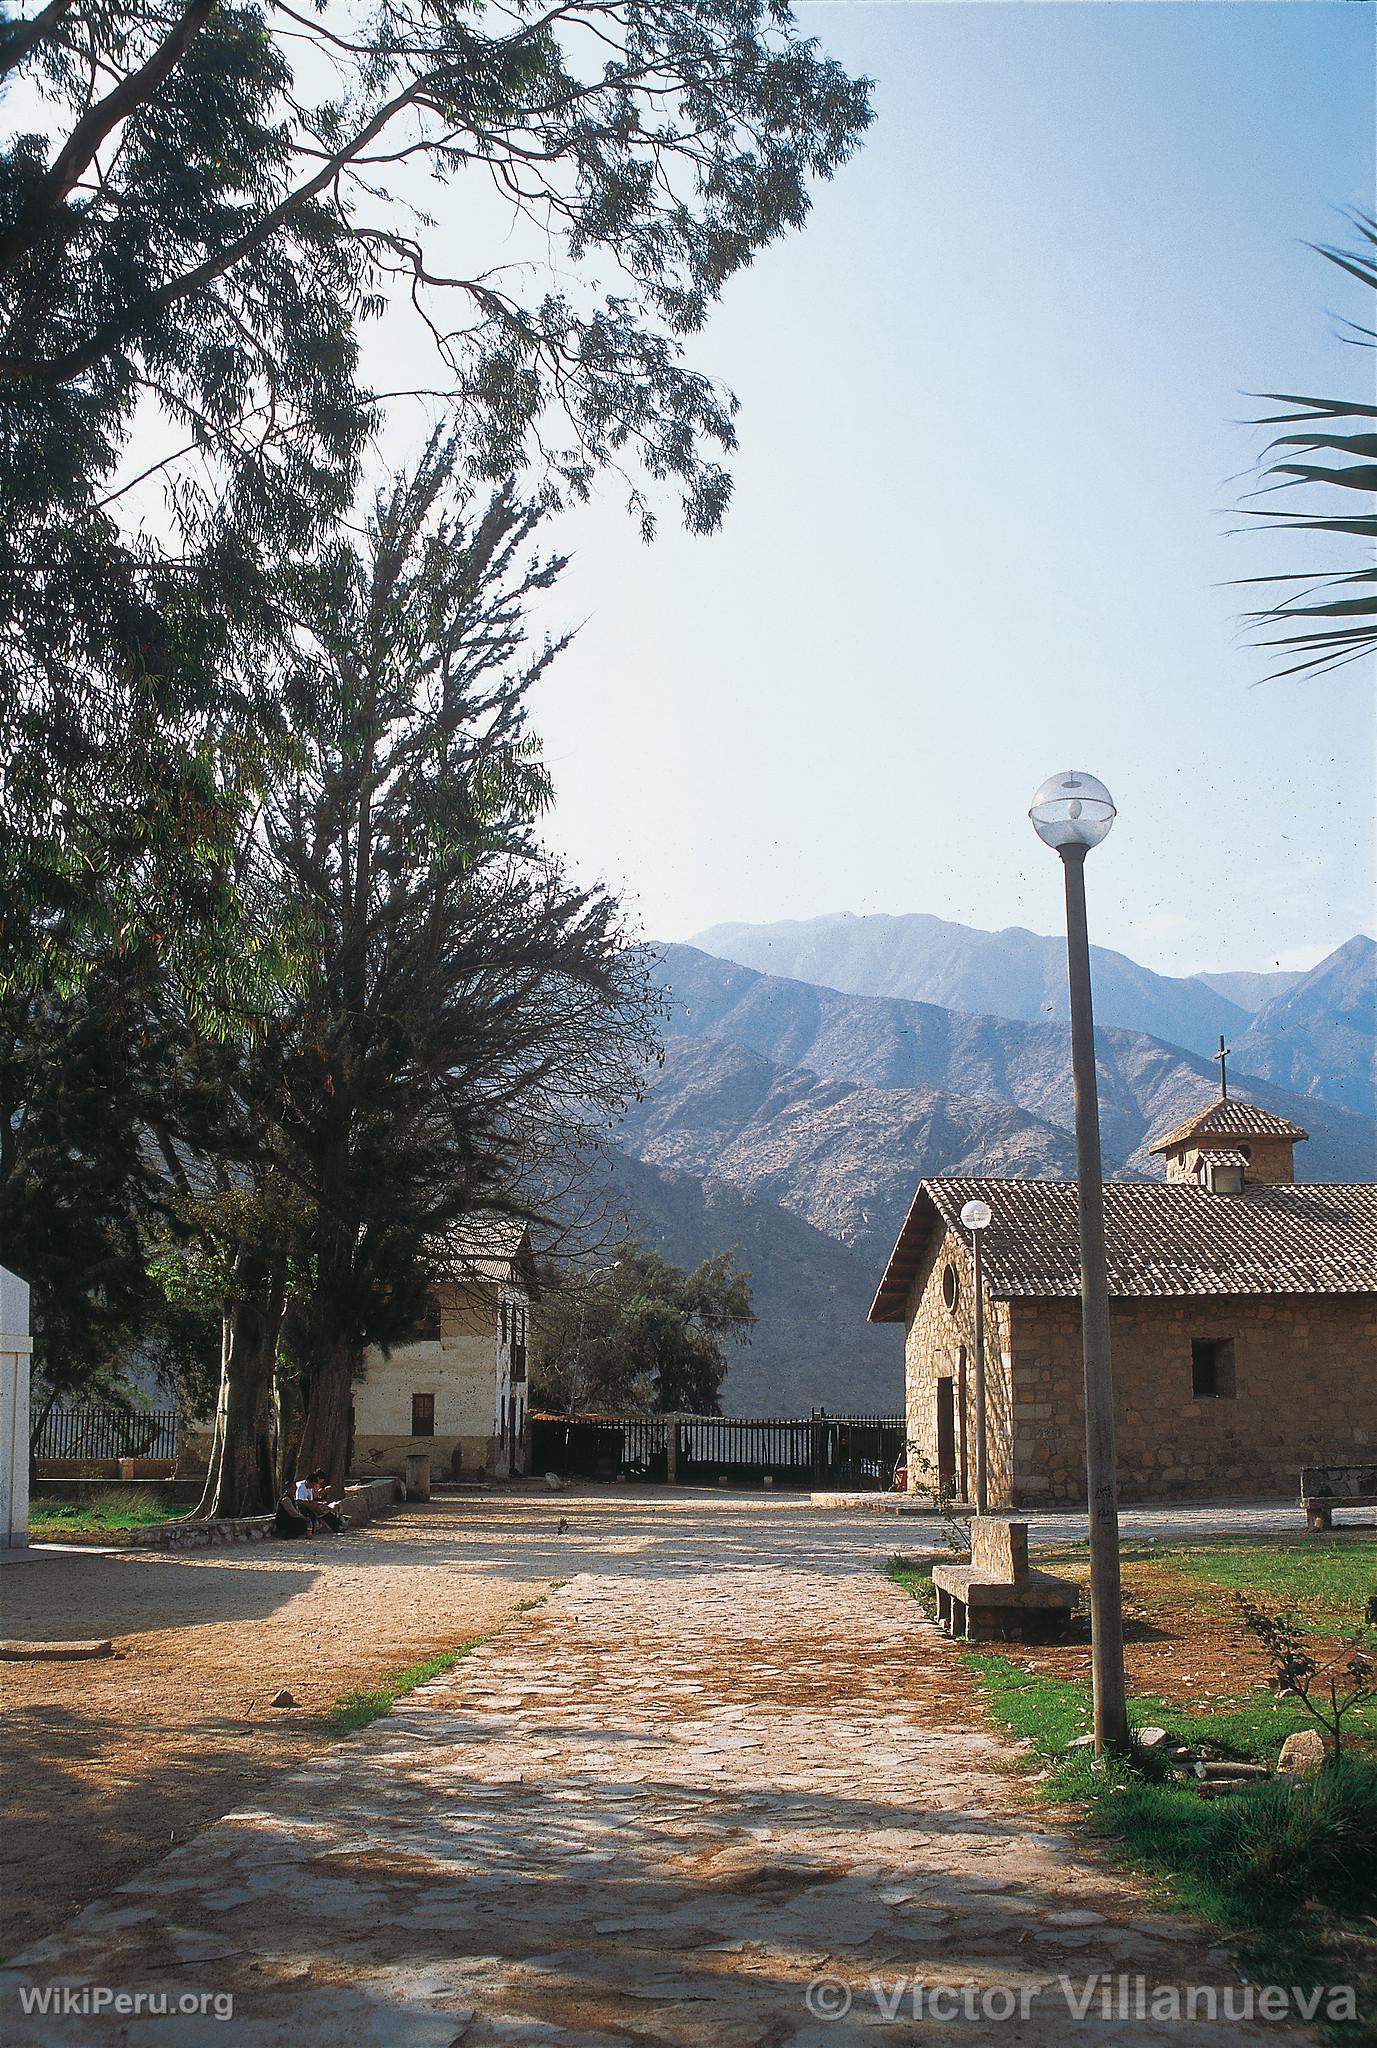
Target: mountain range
793, 1118
1314, 1033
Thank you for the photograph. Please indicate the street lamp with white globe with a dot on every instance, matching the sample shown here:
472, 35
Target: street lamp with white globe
1072, 812
975, 1217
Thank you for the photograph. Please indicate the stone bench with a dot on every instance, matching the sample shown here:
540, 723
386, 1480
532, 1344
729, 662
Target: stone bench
998, 1595
1326, 1487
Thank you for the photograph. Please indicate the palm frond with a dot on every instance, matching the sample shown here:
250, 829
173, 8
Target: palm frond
1342, 457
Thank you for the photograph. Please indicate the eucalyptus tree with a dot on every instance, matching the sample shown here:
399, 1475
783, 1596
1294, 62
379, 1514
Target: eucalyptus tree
467, 1019
202, 204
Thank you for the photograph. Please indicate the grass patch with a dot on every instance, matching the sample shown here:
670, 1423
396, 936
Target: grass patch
122, 1507
1252, 1863
357, 1709
916, 1578
1327, 1582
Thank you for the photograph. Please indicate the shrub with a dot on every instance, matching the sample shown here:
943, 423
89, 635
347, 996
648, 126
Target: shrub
1314, 1838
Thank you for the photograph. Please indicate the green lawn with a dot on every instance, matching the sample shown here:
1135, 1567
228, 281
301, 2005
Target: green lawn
121, 1508
1327, 1581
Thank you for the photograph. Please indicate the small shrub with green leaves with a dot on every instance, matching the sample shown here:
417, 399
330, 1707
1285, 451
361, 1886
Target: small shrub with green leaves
1327, 1688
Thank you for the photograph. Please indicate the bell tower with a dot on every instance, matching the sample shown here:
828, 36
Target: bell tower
1232, 1145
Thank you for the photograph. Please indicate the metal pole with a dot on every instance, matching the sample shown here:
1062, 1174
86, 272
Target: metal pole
982, 1499
1106, 1598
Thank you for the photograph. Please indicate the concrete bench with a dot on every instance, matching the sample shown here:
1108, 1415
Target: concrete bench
1326, 1487
997, 1595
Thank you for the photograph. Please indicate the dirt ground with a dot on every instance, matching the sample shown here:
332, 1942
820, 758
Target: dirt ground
109, 1762
1183, 1642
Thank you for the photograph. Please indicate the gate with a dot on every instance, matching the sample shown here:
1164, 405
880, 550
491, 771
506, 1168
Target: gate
818, 1450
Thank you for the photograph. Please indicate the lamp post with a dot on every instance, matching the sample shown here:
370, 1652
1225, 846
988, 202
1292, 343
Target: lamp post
975, 1215
1071, 813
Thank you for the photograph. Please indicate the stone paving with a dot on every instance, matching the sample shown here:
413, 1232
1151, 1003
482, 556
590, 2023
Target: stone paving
726, 1763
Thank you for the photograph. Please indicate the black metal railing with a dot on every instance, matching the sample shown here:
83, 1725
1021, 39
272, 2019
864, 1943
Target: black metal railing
851, 1451
91, 1431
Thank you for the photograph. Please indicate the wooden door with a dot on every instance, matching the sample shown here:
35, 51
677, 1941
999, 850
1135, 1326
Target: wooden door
946, 1435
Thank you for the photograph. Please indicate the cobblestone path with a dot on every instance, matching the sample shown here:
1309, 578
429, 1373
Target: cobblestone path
657, 1808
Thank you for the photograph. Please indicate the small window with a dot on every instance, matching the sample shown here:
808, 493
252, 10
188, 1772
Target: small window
428, 1323
1212, 1368
504, 1322
423, 1415
951, 1287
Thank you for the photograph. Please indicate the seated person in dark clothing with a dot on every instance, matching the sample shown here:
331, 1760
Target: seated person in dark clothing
292, 1517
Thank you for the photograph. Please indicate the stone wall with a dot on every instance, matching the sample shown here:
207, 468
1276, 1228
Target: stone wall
362, 1503
1271, 1162
933, 1352
1305, 1378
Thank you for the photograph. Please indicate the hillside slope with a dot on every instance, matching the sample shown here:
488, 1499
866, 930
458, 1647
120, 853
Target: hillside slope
812, 1347
1146, 1086
1319, 1037
845, 1159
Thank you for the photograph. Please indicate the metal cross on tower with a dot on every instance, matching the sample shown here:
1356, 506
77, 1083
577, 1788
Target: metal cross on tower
1222, 1055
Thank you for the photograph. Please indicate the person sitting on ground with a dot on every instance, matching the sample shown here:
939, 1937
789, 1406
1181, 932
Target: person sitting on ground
329, 1513
292, 1517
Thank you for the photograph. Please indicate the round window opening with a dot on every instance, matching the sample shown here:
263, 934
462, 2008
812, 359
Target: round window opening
951, 1287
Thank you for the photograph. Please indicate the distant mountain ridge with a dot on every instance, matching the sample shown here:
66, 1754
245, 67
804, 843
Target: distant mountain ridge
1250, 991
1314, 1034
1011, 973
792, 1120
1319, 1036
845, 1158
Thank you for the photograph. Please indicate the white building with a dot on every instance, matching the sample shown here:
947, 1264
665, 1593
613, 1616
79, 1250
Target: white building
16, 1348
458, 1388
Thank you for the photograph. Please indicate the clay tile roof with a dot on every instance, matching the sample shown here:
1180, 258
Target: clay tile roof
1162, 1240
1229, 1118
1225, 1155
486, 1247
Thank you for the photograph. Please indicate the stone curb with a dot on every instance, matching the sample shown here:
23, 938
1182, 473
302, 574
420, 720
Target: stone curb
361, 1504
15, 1652
877, 1504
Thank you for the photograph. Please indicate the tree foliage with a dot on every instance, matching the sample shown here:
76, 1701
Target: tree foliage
213, 213
1327, 471
639, 1335
204, 206
466, 1018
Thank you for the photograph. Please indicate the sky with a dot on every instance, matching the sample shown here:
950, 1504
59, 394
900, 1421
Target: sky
993, 425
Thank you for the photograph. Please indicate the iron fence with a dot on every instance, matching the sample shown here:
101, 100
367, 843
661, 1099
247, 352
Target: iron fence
852, 1451
91, 1431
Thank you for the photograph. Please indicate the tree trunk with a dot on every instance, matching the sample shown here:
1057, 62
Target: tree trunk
242, 1477
325, 1439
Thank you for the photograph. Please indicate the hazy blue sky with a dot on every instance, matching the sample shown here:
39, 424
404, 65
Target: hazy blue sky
990, 405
